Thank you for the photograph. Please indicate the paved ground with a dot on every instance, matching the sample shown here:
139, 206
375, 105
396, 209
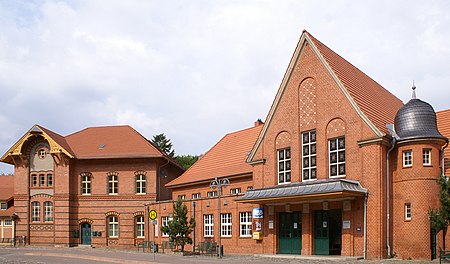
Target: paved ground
50, 255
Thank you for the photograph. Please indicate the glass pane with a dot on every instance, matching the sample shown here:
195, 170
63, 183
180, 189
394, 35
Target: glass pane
306, 137
333, 157
305, 150
313, 161
281, 166
332, 144
342, 169
313, 148
306, 162
342, 156
281, 154
288, 165
305, 174
341, 143
280, 178
288, 153
313, 136
333, 170
288, 176
313, 174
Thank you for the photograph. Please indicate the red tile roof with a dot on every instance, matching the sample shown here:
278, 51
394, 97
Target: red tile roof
443, 121
6, 187
110, 142
378, 104
226, 158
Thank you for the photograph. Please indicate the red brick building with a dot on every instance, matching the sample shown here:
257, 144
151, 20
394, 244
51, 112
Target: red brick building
339, 167
7, 215
324, 175
87, 188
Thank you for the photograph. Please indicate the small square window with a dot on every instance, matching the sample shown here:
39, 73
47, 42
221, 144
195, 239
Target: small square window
182, 197
3, 206
407, 158
235, 191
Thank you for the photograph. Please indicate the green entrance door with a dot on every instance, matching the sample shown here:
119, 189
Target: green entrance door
327, 232
85, 234
290, 233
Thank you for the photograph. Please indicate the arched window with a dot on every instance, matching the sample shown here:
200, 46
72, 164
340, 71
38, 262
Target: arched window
86, 183
113, 226
113, 183
141, 182
35, 212
48, 211
140, 226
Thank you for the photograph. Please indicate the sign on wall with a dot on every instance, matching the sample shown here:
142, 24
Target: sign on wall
258, 213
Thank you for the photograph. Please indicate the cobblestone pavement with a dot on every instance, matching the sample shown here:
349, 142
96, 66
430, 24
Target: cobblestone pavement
50, 255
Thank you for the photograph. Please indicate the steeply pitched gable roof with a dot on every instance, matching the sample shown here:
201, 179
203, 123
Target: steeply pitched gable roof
226, 158
375, 105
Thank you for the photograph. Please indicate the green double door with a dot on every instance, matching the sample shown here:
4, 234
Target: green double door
290, 233
85, 234
327, 232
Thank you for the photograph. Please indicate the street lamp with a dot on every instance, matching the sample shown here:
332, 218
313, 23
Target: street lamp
219, 183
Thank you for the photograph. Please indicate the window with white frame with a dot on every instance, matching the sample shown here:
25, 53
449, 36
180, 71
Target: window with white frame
140, 227
3, 206
208, 225
426, 156
86, 183
309, 159
284, 165
141, 183
225, 221
245, 224
113, 184
7, 222
211, 194
182, 197
35, 212
48, 211
336, 156
407, 211
113, 226
165, 222
196, 196
49, 180
407, 158
235, 190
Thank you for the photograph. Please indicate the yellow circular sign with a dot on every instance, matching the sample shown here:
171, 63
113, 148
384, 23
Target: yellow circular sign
152, 214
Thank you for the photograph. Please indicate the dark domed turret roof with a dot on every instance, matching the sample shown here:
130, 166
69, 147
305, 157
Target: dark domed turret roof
415, 120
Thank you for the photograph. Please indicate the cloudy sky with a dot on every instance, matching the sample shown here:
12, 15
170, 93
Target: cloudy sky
196, 70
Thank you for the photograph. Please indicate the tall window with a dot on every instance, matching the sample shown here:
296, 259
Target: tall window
407, 158
165, 222
41, 180
113, 226
35, 212
225, 221
140, 227
284, 165
113, 184
208, 225
426, 156
309, 155
34, 180
245, 224
337, 157
48, 211
49, 180
407, 211
140, 183
85, 183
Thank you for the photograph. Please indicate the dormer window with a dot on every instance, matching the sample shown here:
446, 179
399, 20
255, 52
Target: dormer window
407, 158
3, 206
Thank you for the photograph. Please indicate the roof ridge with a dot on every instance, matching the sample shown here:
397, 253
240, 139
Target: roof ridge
93, 127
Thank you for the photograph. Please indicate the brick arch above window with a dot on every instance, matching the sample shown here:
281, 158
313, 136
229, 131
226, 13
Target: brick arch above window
140, 172
83, 174
85, 220
112, 173
336, 128
283, 140
139, 213
112, 213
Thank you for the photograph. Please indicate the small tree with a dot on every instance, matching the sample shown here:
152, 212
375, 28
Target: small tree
186, 160
440, 217
179, 228
162, 142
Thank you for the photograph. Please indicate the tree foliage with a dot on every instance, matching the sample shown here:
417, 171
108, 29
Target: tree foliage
163, 143
186, 160
440, 217
179, 228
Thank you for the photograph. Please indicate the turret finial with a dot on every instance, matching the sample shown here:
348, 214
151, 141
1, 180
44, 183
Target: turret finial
414, 91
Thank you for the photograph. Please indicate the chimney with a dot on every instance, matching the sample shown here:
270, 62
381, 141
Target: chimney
259, 122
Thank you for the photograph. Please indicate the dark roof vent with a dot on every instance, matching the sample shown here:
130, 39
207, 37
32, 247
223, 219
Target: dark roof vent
416, 119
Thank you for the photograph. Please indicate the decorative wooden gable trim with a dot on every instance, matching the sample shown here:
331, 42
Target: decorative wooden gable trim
15, 156
303, 42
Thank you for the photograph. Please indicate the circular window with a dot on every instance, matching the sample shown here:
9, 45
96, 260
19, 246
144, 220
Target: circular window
42, 153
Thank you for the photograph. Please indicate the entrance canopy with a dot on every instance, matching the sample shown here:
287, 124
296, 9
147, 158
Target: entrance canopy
313, 190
